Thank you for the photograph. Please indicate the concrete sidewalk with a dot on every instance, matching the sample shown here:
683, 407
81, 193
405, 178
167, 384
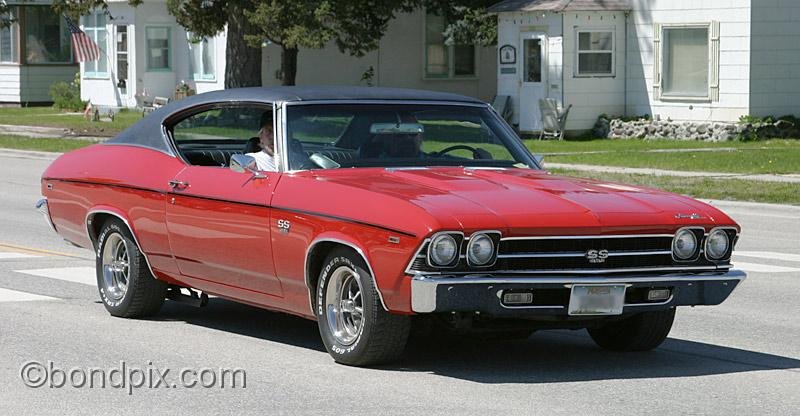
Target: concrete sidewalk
39, 132
789, 178
786, 178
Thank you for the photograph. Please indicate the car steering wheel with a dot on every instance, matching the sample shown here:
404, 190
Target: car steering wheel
476, 153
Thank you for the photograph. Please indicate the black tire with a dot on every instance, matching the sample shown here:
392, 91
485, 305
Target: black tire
143, 295
381, 336
641, 332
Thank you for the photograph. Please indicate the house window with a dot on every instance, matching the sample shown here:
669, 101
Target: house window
122, 56
8, 38
202, 58
685, 61
158, 48
94, 25
445, 61
595, 53
47, 38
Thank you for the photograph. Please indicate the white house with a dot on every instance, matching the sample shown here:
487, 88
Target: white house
35, 51
151, 53
146, 52
693, 60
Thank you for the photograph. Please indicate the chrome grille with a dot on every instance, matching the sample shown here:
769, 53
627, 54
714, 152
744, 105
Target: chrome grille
567, 254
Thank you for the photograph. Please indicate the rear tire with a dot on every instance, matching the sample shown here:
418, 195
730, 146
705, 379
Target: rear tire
641, 332
355, 328
126, 286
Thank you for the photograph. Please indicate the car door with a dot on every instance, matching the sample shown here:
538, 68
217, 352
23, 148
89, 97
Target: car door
217, 219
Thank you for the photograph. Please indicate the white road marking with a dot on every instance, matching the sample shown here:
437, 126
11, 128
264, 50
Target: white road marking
763, 268
9, 255
768, 255
83, 275
8, 295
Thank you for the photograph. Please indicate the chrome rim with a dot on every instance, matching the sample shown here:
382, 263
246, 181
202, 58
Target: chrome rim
344, 305
115, 267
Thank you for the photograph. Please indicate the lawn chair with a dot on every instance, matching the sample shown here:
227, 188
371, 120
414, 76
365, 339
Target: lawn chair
502, 105
145, 103
554, 118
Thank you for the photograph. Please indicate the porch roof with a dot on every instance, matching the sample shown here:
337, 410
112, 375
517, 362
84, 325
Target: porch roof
559, 5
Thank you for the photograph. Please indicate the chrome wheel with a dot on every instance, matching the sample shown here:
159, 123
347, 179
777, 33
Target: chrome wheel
116, 267
344, 305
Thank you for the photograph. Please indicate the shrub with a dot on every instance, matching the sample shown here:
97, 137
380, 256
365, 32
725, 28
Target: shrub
67, 95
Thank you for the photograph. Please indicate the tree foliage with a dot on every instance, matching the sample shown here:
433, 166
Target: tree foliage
467, 21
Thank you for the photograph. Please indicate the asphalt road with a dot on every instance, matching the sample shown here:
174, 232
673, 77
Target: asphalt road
742, 357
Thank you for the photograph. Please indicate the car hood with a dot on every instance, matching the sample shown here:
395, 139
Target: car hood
525, 202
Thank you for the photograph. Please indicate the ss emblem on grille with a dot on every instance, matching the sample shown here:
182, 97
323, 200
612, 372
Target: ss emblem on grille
596, 256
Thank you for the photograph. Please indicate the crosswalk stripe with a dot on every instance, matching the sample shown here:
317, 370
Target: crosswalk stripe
8, 295
8, 255
769, 255
83, 275
763, 268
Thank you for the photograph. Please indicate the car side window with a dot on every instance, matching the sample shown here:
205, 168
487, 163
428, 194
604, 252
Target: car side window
210, 137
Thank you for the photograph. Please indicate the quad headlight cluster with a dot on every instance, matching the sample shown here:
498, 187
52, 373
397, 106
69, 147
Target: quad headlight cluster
445, 249
687, 244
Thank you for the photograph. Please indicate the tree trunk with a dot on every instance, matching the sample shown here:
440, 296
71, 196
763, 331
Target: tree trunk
242, 62
288, 65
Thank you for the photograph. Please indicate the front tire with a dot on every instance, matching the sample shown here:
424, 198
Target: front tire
641, 332
126, 286
355, 328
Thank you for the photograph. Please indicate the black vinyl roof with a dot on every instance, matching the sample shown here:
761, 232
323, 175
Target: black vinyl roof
147, 132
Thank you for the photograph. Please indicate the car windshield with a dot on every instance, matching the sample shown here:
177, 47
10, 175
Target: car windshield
329, 136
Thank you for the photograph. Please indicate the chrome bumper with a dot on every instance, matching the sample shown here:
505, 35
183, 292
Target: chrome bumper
484, 292
43, 209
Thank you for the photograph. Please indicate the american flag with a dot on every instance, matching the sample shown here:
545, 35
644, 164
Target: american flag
84, 46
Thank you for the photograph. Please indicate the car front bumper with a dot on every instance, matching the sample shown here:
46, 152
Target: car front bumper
484, 293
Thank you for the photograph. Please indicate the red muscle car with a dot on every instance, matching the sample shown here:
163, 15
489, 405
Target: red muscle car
381, 207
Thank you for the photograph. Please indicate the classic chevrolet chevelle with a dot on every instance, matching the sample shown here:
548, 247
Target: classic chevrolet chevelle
388, 206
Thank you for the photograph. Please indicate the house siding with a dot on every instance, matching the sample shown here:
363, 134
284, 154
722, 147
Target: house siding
35, 81
775, 58
9, 83
399, 61
734, 79
593, 96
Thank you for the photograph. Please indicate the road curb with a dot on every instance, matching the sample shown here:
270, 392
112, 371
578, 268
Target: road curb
789, 178
29, 154
752, 205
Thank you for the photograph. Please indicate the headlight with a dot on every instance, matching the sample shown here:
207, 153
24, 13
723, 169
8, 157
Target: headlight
480, 250
717, 244
443, 251
684, 244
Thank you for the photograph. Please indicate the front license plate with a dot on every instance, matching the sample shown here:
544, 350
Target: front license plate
596, 299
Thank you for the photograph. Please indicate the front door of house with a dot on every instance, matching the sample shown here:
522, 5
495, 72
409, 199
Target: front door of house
533, 82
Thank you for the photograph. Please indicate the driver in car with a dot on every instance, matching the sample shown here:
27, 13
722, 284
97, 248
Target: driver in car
265, 159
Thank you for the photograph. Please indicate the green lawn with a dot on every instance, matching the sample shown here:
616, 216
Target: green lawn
49, 117
638, 145
44, 145
726, 189
776, 156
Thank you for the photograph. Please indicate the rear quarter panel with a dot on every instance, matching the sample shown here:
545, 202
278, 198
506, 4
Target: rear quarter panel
128, 180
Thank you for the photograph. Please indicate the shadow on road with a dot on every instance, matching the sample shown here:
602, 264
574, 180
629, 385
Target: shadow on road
546, 357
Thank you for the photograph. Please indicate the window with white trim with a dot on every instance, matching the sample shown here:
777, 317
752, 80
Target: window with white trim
201, 53
8, 37
595, 53
687, 64
157, 39
442, 60
94, 25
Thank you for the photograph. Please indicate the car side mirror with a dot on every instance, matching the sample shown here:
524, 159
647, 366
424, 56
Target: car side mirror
539, 159
243, 163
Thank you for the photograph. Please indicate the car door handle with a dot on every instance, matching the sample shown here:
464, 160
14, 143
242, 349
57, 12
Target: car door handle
175, 184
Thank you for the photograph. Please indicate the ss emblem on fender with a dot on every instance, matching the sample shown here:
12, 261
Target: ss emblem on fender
283, 226
596, 256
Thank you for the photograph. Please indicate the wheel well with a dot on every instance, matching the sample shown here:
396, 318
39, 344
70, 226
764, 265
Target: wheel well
94, 223
316, 259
